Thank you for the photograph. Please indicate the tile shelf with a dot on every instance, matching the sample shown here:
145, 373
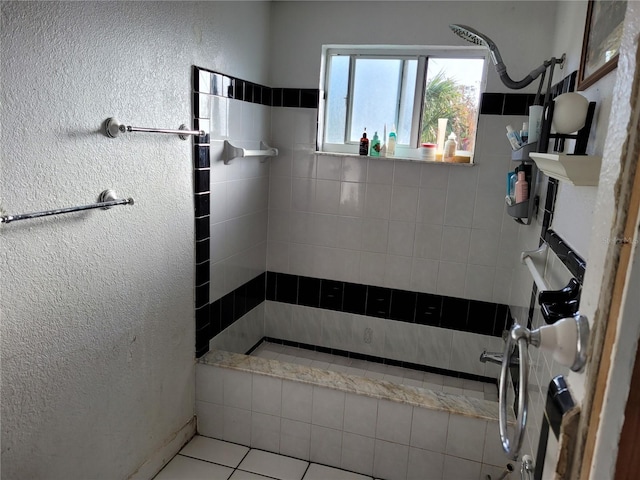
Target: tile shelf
402, 159
578, 170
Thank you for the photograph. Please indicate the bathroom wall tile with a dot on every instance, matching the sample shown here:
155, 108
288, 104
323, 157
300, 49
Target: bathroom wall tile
407, 174
266, 395
465, 353
455, 244
295, 439
357, 453
483, 249
265, 432
309, 98
219, 115
479, 282
360, 414
394, 422
431, 205
401, 238
451, 278
329, 168
282, 165
352, 199
327, 196
425, 465
491, 104
404, 203
354, 169
301, 260
403, 305
428, 243
326, 446
372, 268
434, 176
210, 419
237, 425
424, 275
328, 407
459, 207
209, 384
377, 201
434, 346
375, 233
305, 166
348, 233
306, 325
390, 460
465, 437
297, 401
429, 429
488, 211
400, 343
378, 302
380, 171
303, 194
323, 230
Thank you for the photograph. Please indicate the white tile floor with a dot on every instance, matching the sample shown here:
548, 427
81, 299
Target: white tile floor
207, 458
404, 376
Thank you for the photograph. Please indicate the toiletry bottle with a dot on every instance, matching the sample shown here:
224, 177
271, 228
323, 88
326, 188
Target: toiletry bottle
449, 148
391, 142
364, 144
524, 133
510, 197
375, 145
522, 188
383, 145
514, 138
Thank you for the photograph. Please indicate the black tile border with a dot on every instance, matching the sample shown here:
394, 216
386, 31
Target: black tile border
506, 103
373, 358
210, 82
473, 316
574, 262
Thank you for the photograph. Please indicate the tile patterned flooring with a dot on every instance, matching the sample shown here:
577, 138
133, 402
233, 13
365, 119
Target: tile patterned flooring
403, 376
208, 458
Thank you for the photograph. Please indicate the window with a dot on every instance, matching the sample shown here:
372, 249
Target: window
407, 89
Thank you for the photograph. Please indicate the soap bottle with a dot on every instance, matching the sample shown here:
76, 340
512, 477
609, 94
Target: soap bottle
524, 133
391, 142
375, 145
364, 144
522, 188
449, 148
514, 138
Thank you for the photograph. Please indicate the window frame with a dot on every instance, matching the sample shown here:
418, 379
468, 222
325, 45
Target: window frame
419, 53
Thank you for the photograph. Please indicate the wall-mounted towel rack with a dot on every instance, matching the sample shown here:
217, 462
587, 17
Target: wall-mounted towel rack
112, 128
527, 259
231, 152
106, 199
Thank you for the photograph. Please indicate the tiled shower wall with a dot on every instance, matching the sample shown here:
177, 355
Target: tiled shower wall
434, 228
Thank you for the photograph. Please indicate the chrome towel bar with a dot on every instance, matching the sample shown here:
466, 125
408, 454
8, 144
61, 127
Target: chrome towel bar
106, 200
112, 128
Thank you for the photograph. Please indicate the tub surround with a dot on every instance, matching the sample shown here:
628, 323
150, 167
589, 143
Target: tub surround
381, 389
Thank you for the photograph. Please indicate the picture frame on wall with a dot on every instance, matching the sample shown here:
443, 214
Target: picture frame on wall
601, 42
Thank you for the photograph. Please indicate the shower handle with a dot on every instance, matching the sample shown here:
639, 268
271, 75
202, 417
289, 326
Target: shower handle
520, 336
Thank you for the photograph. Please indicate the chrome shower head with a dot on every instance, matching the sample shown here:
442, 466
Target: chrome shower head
471, 35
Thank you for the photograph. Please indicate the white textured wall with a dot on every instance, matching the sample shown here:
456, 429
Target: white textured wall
97, 308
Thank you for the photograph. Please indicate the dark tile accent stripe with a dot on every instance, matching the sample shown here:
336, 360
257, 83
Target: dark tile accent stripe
506, 103
372, 358
208, 82
574, 263
473, 316
559, 402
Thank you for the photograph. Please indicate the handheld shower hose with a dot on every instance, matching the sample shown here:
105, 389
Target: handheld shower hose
471, 35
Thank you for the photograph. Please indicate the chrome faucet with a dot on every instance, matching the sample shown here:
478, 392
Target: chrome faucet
496, 357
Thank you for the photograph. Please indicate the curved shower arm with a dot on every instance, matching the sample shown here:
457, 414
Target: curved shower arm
516, 85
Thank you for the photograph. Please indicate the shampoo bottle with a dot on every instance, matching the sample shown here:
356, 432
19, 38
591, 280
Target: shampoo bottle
522, 188
364, 144
391, 142
449, 148
375, 145
514, 138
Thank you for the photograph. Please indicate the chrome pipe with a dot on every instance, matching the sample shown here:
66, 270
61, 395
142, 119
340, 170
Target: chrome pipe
113, 128
109, 201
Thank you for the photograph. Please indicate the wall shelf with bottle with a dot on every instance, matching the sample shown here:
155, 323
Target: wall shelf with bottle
524, 211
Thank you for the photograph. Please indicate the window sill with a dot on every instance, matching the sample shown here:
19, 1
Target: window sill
467, 163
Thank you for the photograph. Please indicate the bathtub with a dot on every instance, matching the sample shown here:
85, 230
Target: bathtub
371, 426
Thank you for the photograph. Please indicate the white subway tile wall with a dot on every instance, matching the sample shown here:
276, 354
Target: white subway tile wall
374, 437
240, 194
378, 221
